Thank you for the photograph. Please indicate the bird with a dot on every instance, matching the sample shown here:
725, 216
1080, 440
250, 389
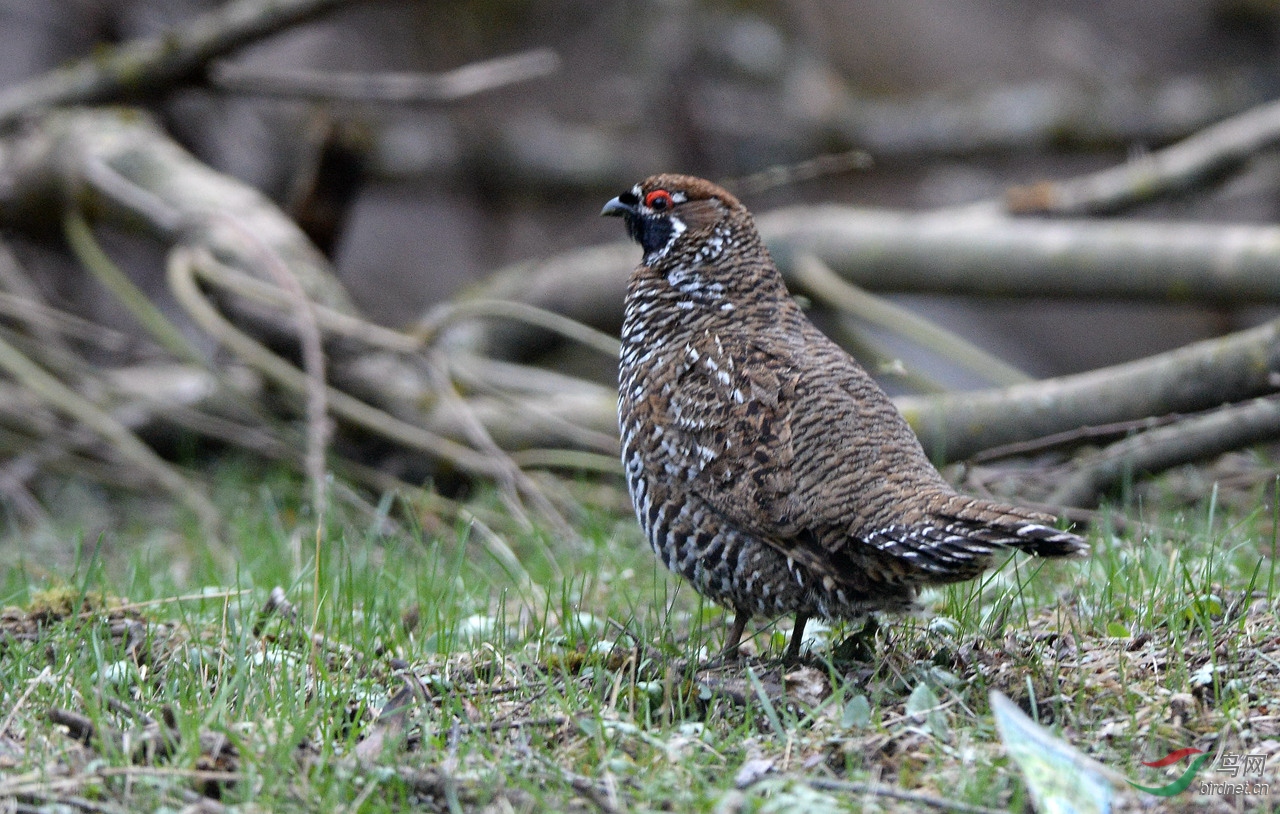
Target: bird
765, 465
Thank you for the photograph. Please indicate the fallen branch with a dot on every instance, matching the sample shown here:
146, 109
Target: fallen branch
815, 277
1192, 439
386, 88
72, 404
104, 270
144, 65
120, 165
980, 252
1198, 161
182, 283
1023, 116
977, 252
1190, 379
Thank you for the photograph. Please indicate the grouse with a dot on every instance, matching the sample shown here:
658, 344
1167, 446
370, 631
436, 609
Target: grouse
765, 465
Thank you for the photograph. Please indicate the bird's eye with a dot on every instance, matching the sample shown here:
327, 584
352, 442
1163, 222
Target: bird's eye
658, 200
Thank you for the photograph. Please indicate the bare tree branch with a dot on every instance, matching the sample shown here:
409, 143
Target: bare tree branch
1206, 157
975, 252
71, 403
979, 252
182, 282
1196, 377
386, 88
119, 164
817, 278
147, 64
1022, 115
1192, 439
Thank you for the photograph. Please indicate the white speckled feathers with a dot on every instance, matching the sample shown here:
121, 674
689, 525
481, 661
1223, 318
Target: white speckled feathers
765, 464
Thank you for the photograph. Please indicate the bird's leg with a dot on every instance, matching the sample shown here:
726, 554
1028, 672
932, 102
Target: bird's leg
797, 635
731, 643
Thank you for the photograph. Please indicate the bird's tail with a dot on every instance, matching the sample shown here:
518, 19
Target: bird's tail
956, 537
1002, 525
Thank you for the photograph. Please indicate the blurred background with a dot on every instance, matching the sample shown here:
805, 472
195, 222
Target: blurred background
954, 100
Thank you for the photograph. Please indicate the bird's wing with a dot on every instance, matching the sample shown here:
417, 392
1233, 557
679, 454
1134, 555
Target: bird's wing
731, 411
799, 448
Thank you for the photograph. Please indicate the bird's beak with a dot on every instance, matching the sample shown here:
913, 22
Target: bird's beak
616, 208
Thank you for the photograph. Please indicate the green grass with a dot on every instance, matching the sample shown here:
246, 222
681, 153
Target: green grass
433, 672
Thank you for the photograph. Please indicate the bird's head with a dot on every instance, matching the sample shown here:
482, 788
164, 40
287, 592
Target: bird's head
663, 212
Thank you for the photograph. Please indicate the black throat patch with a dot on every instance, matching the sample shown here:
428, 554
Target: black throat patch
652, 233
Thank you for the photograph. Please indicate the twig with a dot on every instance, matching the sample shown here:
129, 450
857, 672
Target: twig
1072, 437
122, 440
386, 88
182, 283
32, 683
57, 358
542, 394
786, 174
446, 314
330, 319
25, 301
1197, 161
147, 64
587, 419
37, 316
1192, 378
165, 217
23, 466
58, 448
104, 270
169, 600
816, 277
1191, 439
203, 775
879, 790
585, 286
567, 459
22, 301
313, 365
512, 480
270, 440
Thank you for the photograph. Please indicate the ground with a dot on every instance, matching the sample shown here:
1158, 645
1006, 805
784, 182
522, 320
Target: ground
445, 669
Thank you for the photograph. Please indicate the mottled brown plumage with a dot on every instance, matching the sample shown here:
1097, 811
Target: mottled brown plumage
765, 465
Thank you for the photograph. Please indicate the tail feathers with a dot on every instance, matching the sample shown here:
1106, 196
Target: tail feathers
1047, 541
959, 538
1004, 525
946, 553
